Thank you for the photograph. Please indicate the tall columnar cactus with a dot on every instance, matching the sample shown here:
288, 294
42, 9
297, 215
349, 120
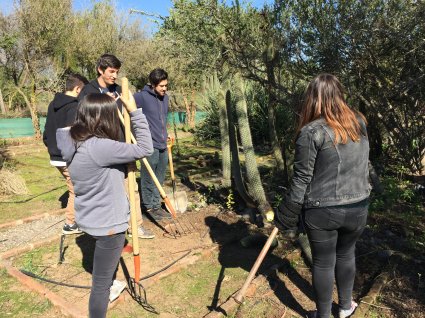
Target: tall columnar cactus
253, 175
234, 150
224, 132
235, 163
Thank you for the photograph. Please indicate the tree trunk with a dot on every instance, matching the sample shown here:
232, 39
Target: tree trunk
192, 111
277, 153
34, 114
173, 103
2, 106
188, 113
255, 186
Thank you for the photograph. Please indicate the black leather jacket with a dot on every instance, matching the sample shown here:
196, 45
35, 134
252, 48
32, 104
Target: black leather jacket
326, 174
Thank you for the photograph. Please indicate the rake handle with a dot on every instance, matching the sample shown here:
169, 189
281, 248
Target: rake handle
131, 184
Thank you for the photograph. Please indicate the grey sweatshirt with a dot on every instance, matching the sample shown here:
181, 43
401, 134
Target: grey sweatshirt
97, 172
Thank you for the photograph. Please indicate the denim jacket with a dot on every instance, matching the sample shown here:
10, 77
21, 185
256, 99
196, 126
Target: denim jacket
326, 174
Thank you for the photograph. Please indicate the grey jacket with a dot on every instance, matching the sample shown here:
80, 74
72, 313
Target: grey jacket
326, 174
97, 172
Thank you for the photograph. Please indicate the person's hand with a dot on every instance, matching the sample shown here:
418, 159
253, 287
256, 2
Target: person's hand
287, 216
129, 104
170, 139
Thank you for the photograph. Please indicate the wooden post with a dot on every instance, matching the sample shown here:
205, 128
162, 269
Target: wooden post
131, 186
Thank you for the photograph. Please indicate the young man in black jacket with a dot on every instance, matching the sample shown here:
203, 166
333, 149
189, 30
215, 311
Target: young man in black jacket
61, 113
107, 68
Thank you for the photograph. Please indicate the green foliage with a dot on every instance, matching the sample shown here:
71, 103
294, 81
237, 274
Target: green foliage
230, 200
278, 198
209, 127
397, 192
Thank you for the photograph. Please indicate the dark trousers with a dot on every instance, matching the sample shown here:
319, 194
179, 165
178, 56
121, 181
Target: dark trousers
151, 199
107, 254
333, 233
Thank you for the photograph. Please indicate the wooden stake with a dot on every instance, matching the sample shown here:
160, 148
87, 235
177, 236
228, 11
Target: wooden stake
131, 186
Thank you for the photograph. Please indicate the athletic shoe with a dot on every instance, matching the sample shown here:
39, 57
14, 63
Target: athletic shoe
344, 313
158, 214
71, 229
116, 289
143, 233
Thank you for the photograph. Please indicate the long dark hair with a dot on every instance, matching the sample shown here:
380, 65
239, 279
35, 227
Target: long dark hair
96, 117
324, 97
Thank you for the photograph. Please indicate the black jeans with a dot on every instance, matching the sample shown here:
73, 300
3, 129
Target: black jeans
333, 233
150, 194
107, 254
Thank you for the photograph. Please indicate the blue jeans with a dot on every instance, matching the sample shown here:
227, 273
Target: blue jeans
333, 233
151, 199
107, 254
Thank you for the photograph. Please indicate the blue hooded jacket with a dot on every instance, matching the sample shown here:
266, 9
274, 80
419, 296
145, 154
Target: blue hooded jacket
155, 108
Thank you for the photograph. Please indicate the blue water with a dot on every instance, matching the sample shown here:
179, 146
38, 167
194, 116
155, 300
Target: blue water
22, 127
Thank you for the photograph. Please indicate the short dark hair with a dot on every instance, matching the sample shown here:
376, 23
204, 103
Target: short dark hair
107, 60
96, 117
75, 80
157, 75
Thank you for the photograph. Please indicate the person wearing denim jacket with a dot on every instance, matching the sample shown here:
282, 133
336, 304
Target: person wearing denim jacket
330, 189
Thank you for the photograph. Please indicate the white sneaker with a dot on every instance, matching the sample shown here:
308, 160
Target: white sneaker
344, 313
117, 288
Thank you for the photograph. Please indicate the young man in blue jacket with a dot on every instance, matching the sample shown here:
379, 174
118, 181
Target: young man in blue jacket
61, 113
154, 100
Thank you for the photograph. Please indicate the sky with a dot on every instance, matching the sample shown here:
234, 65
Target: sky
160, 7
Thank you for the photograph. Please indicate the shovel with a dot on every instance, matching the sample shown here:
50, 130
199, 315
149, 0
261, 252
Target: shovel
179, 198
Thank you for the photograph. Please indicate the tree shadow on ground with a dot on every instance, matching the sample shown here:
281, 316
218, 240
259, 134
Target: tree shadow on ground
233, 255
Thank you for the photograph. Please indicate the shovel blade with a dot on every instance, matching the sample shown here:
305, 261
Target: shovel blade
178, 200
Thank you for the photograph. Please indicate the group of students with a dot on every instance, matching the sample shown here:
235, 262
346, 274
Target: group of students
329, 190
85, 141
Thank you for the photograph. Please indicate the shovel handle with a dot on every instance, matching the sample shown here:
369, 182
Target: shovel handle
170, 161
153, 176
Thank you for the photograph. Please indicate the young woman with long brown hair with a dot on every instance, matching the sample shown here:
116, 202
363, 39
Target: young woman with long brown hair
330, 187
96, 160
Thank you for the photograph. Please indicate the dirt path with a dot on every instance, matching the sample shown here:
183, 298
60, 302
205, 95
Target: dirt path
20, 235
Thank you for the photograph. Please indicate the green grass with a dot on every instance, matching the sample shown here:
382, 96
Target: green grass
15, 302
44, 183
33, 260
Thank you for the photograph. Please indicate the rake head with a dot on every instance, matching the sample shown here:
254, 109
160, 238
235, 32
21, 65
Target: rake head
138, 293
184, 224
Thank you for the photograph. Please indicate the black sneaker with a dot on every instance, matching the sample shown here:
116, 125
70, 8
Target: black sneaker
158, 214
71, 229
